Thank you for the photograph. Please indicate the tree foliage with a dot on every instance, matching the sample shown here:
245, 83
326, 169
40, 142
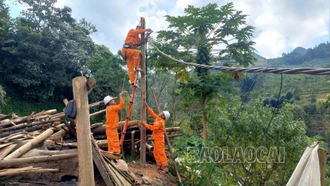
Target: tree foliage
206, 28
238, 134
50, 49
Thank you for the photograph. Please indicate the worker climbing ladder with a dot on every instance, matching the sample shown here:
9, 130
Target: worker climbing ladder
134, 87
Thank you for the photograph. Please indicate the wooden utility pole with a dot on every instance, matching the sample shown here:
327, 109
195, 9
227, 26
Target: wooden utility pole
143, 88
85, 158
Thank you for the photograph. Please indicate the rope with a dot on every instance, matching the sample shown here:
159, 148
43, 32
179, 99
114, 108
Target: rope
307, 70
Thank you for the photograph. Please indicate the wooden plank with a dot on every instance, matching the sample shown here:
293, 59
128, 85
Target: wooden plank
85, 158
101, 164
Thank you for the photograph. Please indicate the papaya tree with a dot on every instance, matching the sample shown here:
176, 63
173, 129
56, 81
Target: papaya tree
205, 29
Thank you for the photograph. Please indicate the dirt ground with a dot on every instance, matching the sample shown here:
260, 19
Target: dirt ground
151, 171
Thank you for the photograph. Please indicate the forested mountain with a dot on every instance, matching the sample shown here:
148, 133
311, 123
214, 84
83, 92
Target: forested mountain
313, 57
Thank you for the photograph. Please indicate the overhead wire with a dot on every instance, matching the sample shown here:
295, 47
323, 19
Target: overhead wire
307, 70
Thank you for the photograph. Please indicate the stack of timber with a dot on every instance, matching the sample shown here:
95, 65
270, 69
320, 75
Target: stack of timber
43, 147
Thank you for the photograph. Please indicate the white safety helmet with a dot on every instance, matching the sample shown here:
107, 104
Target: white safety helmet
107, 99
166, 114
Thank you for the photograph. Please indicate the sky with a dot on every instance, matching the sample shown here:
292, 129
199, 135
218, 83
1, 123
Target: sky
280, 25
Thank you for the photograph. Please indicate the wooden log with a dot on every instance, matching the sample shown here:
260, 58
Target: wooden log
322, 153
43, 113
37, 159
29, 129
16, 121
5, 151
150, 147
85, 158
39, 152
5, 121
5, 144
61, 133
30, 169
71, 145
24, 125
6, 116
95, 125
96, 104
15, 137
6, 139
101, 128
104, 143
143, 97
97, 113
26, 147
71, 130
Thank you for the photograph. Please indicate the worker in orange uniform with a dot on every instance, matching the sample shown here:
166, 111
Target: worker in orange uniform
112, 122
158, 129
130, 52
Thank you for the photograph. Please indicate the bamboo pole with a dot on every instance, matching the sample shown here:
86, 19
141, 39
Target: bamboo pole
37, 159
26, 147
85, 158
168, 143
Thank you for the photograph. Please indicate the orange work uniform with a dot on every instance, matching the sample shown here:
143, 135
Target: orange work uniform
132, 54
112, 125
158, 129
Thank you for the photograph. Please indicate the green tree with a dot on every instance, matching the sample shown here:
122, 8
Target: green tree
108, 72
51, 48
206, 28
5, 24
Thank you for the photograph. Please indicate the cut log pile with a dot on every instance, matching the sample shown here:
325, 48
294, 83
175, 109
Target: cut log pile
48, 136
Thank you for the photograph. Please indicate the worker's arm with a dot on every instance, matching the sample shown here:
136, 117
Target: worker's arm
156, 125
121, 103
152, 113
140, 31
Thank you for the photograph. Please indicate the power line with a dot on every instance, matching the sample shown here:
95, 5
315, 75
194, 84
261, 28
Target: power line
310, 71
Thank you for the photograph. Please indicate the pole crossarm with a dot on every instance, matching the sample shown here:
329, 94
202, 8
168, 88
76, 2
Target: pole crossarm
307, 70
